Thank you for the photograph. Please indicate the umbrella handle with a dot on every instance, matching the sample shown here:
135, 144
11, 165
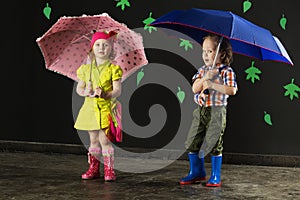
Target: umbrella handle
206, 91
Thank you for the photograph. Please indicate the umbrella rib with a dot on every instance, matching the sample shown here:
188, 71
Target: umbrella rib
82, 36
82, 25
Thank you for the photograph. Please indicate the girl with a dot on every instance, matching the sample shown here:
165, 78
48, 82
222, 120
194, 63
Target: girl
211, 87
100, 83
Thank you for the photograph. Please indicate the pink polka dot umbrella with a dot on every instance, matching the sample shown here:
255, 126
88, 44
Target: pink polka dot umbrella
66, 44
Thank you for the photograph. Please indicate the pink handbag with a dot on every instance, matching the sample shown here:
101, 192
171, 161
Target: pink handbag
116, 128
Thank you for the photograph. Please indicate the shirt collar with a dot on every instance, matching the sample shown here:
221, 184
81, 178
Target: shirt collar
103, 64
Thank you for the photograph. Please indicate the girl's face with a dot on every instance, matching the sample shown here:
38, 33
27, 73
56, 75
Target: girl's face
209, 52
102, 49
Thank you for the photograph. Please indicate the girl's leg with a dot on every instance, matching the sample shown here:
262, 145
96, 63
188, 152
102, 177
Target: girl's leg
95, 148
93, 157
108, 157
104, 141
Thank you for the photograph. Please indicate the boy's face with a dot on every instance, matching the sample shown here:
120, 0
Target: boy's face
102, 49
209, 52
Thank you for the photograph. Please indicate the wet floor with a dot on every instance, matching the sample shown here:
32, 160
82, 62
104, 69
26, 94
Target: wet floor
27, 175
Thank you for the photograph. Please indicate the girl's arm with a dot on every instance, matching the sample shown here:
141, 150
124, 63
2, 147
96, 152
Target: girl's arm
116, 92
82, 90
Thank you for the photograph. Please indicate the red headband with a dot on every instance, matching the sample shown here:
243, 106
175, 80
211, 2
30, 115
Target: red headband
101, 35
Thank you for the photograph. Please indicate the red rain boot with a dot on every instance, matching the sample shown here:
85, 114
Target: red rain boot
108, 159
93, 171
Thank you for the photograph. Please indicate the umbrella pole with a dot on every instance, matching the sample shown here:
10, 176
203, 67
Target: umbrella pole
90, 72
218, 49
206, 91
91, 60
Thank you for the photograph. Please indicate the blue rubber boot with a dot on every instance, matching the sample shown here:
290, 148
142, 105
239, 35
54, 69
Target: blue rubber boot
215, 178
197, 171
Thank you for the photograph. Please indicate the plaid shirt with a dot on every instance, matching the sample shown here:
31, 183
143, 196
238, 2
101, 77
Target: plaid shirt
215, 98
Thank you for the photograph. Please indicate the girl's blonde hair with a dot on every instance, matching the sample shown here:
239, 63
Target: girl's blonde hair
225, 51
112, 53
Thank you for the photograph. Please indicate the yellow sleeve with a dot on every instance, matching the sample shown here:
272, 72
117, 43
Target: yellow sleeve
81, 72
117, 72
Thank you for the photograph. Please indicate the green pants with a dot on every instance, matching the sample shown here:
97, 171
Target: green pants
206, 130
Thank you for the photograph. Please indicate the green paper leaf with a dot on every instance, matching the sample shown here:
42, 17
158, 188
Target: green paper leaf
47, 11
267, 118
283, 21
252, 73
139, 77
180, 95
292, 90
186, 44
246, 5
148, 21
123, 4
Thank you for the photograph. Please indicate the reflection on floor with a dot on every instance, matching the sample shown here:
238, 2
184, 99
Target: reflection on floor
27, 175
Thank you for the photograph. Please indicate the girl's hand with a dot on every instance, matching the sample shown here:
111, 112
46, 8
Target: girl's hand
88, 89
88, 93
97, 92
89, 86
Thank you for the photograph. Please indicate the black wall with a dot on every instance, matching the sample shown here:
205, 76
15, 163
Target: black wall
37, 103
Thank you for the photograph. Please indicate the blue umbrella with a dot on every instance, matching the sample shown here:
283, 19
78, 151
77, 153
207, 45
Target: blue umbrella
245, 37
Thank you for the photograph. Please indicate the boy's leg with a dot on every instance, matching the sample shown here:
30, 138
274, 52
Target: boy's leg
213, 141
194, 140
214, 144
196, 132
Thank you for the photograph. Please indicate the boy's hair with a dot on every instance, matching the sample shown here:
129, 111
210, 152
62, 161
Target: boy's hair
225, 51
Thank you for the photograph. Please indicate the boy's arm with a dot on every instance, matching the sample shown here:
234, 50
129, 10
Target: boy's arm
225, 89
229, 86
198, 84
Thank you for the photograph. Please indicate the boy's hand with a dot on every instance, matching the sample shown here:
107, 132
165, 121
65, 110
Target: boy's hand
207, 85
211, 74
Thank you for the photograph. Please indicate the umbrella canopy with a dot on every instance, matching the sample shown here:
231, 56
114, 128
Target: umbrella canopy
245, 37
65, 46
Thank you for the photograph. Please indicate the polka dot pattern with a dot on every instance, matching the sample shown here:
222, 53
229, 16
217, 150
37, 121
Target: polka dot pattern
66, 44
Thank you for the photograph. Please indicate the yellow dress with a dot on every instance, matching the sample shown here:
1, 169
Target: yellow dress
94, 112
